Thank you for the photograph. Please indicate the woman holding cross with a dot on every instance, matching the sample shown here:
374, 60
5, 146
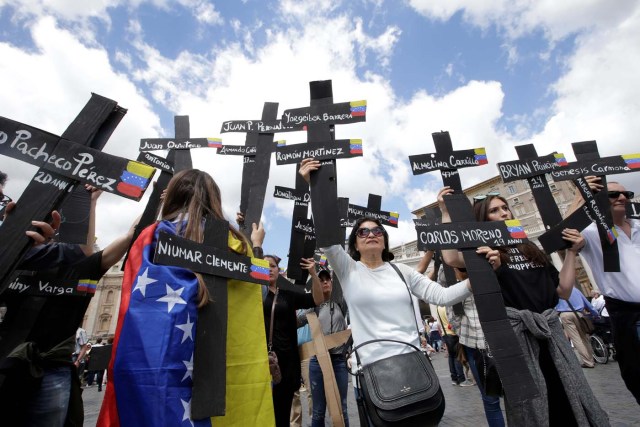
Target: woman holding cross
531, 286
151, 372
377, 292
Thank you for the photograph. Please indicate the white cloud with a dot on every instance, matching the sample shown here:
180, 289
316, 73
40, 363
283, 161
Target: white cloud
55, 82
520, 17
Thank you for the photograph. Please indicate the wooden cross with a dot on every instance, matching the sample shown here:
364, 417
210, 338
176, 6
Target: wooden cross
374, 210
178, 159
302, 242
320, 119
63, 162
430, 218
319, 347
597, 207
534, 168
255, 170
216, 263
512, 367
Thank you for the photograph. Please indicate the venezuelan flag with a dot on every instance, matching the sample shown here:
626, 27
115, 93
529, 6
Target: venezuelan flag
281, 143
612, 235
515, 229
151, 370
135, 179
480, 155
88, 286
214, 142
355, 146
393, 217
560, 159
358, 108
259, 269
632, 160
323, 260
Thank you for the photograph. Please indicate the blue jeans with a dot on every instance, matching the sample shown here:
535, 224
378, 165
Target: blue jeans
491, 404
317, 388
50, 403
455, 367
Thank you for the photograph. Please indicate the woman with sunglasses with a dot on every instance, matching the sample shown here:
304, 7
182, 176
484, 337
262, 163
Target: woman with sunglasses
375, 293
531, 287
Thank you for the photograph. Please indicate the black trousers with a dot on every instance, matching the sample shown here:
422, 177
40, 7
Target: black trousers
625, 327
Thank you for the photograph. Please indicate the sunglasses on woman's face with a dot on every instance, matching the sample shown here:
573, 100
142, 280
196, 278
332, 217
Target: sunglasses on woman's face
4, 200
363, 232
615, 194
481, 197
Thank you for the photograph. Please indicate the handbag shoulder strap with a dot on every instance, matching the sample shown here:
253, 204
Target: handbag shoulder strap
413, 314
273, 311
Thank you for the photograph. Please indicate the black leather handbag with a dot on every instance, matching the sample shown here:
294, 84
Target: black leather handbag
401, 390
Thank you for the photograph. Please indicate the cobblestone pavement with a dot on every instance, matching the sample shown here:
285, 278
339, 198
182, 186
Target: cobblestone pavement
464, 407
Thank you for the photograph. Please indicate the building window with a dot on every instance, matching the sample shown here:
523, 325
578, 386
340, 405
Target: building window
511, 189
109, 297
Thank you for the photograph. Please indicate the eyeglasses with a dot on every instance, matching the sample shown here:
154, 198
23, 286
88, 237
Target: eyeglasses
615, 194
363, 232
5, 200
481, 197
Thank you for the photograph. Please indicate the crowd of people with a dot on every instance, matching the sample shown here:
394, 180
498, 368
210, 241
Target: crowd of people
152, 361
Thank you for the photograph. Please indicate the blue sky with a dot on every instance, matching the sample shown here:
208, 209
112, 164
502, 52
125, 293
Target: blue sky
495, 74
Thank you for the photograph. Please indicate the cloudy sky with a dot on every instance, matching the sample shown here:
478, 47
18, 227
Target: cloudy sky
495, 74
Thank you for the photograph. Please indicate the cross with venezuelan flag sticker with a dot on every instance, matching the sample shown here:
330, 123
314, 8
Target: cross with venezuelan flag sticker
217, 263
510, 361
596, 208
320, 119
374, 210
534, 169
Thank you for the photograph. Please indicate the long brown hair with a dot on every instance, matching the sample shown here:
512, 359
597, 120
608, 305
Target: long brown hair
191, 195
529, 249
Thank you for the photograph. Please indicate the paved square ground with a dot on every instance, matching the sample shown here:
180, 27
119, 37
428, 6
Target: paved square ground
464, 406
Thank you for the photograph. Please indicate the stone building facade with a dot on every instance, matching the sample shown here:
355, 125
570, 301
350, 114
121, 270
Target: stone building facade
101, 316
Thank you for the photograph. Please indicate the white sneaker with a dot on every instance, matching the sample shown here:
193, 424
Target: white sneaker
467, 383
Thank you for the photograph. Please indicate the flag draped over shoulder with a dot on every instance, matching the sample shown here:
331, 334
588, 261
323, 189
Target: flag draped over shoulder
151, 368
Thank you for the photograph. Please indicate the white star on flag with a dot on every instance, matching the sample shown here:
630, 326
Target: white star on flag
187, 329
172, 298
143, 281
186, 405
189, 365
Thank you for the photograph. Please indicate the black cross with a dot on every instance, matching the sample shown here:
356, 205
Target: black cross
178, 159
209, 372
515, 375
91, 128
257, 161
447, 161
534, 168
64, 161
374, 210
597, 207
302, 242
320, 118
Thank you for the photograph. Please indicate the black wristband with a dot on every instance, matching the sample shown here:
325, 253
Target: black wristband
258, 252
